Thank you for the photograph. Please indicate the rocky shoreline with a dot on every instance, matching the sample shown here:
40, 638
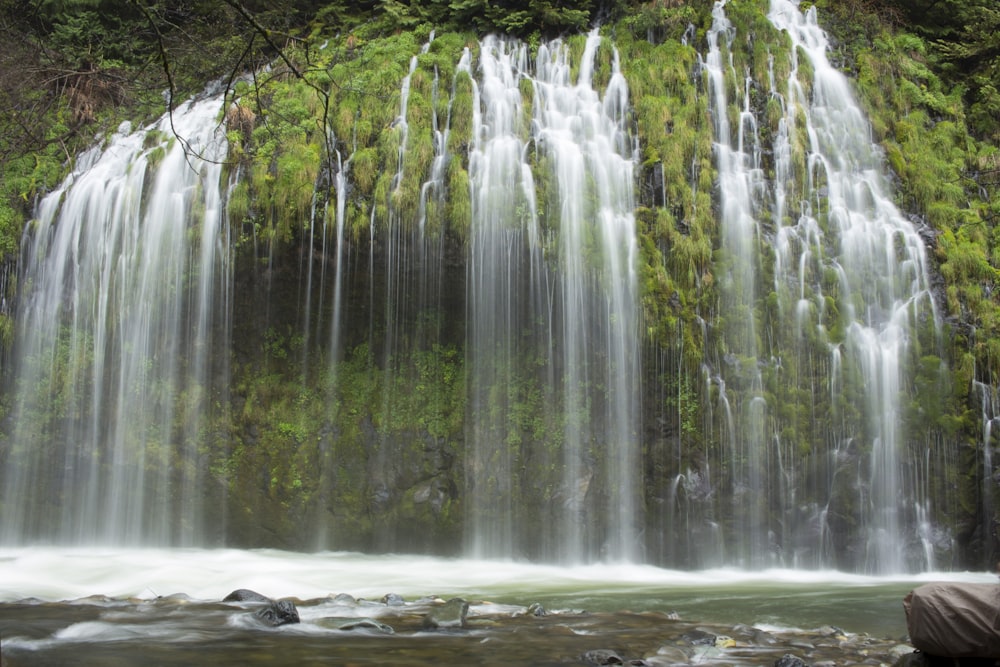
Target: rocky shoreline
249, 628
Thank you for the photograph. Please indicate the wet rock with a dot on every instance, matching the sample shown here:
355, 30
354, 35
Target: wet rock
697, 637
393, 600
789, 660
831, 631
246, 595
536, 609
755, 635
345, 599
451, 614
279, 612
602, 656
368, 625
898, 651
274, 613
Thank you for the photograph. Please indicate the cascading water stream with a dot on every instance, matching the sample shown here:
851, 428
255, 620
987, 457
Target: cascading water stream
581, 354
741, 189
857, 265
128, 266
505, 249
990, 396
587, 142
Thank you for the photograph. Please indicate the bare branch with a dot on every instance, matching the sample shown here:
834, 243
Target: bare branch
266, 34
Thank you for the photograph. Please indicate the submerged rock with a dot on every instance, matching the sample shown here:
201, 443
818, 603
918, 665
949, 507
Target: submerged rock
669, 655
451, 614
368, 624
789, 660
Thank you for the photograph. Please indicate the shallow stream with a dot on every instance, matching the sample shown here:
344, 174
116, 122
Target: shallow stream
164, 607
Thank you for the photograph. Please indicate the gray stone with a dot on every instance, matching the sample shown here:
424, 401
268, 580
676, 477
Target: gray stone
246, 595
368, 624
451, 614
281, 612
602, 656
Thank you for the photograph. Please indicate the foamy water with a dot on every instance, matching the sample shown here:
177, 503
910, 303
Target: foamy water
54, 574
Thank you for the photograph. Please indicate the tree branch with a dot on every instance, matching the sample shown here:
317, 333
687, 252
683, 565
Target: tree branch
266, 34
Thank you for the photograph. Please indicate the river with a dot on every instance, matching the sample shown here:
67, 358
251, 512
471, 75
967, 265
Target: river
107, 606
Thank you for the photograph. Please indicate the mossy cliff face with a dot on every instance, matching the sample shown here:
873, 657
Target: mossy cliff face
343, 411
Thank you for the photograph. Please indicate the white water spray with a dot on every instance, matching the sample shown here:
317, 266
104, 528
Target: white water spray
128, 263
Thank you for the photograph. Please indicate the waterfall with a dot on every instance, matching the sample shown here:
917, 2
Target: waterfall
839, 329
552, 306
856, 268
470, 287
126, 270
505, 288
990, 416
741, 190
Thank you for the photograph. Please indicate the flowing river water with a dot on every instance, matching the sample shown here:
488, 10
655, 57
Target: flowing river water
164, 607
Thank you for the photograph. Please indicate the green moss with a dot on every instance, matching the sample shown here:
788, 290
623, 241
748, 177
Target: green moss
459, 204
364, 170
460, 135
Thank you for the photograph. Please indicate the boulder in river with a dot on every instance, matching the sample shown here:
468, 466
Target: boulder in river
278, 612
273, 612
246, 595
451, 614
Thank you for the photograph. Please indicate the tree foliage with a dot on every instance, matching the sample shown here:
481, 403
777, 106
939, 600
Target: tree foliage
965, 36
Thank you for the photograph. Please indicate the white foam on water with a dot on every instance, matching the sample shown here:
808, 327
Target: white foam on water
54, 574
